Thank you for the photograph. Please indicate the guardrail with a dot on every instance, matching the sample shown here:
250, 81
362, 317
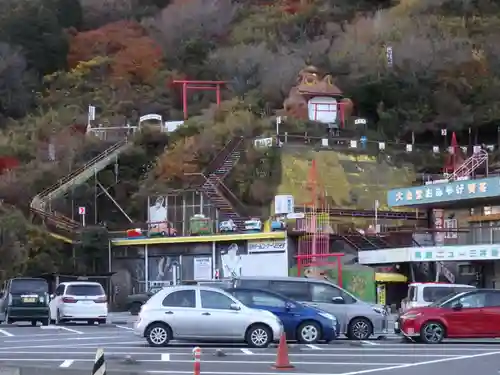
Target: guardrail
78, 171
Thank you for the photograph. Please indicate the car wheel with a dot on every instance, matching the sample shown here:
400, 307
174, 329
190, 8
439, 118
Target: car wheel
359, 329
135, 308
158, 334
259, 336
90, 322
432, 333
309, 333
33, 323
46, 322
101, 321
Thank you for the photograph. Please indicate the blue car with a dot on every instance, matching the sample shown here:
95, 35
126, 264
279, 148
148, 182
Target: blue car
301, 323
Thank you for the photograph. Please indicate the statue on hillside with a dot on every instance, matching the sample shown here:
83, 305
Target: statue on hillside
317, 98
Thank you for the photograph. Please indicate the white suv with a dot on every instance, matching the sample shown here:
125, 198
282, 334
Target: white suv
79, 301
204, 313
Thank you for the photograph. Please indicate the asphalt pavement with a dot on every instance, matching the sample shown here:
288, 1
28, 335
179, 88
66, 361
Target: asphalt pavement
73, 347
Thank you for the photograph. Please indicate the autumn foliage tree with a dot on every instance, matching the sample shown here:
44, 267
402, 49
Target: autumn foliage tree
134, 55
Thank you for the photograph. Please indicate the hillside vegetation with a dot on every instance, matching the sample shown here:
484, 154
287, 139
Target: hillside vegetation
122, 56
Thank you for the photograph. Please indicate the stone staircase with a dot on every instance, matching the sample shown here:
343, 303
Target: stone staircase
213, 187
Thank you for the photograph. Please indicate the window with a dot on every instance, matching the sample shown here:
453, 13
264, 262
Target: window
292, 289
214, 300
266, 299
433, 293
466, 269
60, 290
250, 298
181, 298
492, 299
473, 300
85, 290
20, 286
253, 284
324, 293
412, 296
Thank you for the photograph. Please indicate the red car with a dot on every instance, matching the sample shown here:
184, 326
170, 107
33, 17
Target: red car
471, 314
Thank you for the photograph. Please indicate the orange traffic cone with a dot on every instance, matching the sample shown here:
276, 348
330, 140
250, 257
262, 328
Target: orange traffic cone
282, 360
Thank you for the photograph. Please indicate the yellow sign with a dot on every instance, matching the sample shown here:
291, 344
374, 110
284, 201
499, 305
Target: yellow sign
198, 239
381, 294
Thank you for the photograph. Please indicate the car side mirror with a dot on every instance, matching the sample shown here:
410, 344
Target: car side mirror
235, 306
289, 306
338, 300
457, 306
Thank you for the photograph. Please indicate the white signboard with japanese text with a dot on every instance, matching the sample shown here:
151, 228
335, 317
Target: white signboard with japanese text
266, 246
455, 253
284, 204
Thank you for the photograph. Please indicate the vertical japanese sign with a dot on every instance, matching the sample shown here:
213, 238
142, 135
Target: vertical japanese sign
438, 219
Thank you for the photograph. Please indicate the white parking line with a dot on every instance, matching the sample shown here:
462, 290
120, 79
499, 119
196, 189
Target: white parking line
67, 363
5, 333
246, 351
165, 357
123, 327
407, 365
313, 347
72, 330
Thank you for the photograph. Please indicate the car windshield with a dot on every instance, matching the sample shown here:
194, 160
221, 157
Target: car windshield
85, 290
19, 286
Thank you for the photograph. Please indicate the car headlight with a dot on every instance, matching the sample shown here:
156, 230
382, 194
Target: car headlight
379, 310
410, 315
327, 316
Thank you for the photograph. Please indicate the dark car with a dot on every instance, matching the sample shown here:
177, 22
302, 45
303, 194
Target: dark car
135, 301
25, 299
302, 323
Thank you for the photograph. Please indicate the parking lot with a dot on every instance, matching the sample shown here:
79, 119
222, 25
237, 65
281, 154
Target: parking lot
74, 347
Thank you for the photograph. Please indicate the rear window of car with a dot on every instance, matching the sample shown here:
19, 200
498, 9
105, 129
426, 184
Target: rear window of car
85, 290
28, 286
434, 293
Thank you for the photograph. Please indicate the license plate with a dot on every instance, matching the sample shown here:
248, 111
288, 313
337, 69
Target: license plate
87, 301
29, 299
396, 325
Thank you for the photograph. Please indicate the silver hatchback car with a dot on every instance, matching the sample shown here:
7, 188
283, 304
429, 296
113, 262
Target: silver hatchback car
204, 313
358, 320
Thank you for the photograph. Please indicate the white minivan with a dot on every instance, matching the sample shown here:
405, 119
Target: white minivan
423, 294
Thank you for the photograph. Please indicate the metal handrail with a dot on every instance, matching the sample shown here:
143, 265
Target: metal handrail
61, 219
217, 162
76, 172
228, 195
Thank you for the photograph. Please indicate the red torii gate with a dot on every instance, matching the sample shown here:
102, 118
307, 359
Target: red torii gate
199, 86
